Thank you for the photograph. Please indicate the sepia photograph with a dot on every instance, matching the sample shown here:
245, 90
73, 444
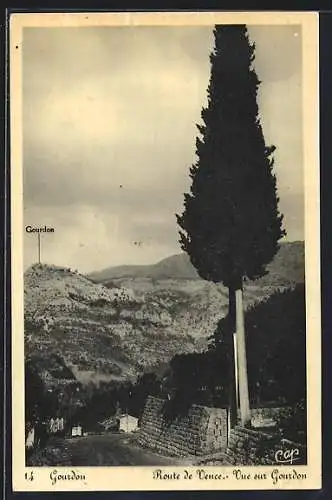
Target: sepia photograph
166, 263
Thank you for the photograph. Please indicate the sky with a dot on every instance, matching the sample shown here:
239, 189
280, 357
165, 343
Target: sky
109, 133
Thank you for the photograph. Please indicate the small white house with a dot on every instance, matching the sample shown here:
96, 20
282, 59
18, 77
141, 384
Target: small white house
76, 431
128, 423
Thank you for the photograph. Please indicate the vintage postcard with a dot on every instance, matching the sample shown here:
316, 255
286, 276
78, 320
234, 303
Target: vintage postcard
165, 251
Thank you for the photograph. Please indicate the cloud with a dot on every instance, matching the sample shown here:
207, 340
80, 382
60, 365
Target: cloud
109, 134
278, 51
88, 239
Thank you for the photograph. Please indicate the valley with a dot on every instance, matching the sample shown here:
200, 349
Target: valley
115, 324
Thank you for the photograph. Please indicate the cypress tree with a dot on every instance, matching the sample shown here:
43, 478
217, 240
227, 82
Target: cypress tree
231, 225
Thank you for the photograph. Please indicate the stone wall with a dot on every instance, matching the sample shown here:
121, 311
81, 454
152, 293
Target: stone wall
261, 416
203, 430
252, 447
268, 412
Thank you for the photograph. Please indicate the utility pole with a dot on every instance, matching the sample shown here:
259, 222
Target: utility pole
38, 236
42, 229
236, 368
242, 361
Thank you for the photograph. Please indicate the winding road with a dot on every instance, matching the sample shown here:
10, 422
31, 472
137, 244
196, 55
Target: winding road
115, 449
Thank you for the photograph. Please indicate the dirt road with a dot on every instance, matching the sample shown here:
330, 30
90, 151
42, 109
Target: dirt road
114, 449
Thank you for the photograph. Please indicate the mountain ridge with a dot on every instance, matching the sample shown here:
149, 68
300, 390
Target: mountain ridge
118, 328
178, 266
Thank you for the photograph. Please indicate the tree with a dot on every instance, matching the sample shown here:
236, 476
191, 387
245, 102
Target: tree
277, 361
35, 393
146, 384
231, 225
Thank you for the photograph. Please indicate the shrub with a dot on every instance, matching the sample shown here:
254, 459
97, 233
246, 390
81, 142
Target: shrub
292, 422
276, 347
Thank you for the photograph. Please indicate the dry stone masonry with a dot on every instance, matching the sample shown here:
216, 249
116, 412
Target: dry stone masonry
252, 447
203, 430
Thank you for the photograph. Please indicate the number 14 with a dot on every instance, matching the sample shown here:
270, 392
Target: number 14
29, 476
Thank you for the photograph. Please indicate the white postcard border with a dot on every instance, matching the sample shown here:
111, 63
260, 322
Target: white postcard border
141, 478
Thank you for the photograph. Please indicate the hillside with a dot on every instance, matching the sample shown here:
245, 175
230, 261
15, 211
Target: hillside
133, 323
287, 266
111, 333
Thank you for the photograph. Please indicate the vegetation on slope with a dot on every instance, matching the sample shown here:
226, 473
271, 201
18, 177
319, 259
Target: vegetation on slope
130, 325
105, 333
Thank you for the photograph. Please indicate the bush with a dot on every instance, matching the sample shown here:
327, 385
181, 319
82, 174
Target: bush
276, 347
276, 355
292, 423
100, 302
196, 378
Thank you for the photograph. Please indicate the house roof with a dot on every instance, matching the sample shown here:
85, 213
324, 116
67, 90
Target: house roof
126, 415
